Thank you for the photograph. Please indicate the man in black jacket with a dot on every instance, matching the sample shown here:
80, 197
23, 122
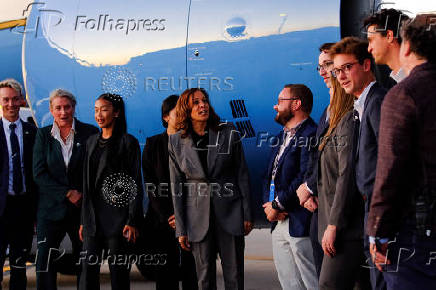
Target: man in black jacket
17, 190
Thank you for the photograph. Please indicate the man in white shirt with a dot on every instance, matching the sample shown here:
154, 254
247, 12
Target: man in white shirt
17, 190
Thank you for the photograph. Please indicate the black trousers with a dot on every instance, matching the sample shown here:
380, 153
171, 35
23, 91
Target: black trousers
114, 251
318, 253
50, 235
16, 231
179, 264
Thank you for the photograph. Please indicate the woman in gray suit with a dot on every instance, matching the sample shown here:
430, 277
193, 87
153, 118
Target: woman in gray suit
340, 217
210, 189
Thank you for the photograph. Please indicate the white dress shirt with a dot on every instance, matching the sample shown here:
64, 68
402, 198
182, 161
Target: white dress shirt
359, 104
19, 133
67, 146
399, 76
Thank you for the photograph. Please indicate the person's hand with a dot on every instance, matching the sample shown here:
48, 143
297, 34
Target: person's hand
130, 233
271, 214
74, 197
311, 204
172, 221
303, 194
378, 256
184, 243
281, 216
81, 233
248, 226
328, 241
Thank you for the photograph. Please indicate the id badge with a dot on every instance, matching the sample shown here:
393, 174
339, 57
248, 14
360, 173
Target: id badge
271, 191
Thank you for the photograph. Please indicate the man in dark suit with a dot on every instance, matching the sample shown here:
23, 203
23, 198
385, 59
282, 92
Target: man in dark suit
402, 208
17, 190
384, 40
353, 69
307, 192
58, 172
292, 249
160, 220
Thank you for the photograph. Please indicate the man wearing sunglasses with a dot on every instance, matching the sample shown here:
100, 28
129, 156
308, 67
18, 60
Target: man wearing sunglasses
353, 68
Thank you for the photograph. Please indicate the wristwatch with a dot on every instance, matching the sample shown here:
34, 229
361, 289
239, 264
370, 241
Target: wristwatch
275, 205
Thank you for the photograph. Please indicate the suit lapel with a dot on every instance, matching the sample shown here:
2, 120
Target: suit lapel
294, 140
190, 154
27, 142
216, 140
365, 106
4, 152
77, 145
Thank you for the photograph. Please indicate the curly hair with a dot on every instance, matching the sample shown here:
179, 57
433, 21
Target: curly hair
184, 108
421, 34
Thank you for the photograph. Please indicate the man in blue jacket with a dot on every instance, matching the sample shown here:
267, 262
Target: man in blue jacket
292, 249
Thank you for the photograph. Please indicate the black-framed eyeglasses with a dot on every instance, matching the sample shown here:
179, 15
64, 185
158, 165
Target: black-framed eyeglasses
288, 99
344, 68
324, 66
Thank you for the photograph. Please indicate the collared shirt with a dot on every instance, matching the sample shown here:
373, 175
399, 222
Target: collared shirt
399, 76
19, 133
67, 146
359, 104
288, 135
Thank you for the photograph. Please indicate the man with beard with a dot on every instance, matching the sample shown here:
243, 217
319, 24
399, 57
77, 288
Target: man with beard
292, 249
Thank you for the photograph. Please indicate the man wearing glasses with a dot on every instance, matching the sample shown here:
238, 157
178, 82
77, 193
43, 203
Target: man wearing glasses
353, 66
307, 192
292, 249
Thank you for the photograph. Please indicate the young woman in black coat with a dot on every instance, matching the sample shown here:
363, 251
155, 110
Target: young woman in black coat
112, 196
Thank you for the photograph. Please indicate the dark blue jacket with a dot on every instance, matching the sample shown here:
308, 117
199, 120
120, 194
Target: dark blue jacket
291, 169
367, 145
29, 132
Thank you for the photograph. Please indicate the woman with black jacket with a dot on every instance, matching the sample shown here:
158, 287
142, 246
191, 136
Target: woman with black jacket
112, 196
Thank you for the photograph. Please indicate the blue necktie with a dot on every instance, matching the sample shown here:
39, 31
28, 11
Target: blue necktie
16, 161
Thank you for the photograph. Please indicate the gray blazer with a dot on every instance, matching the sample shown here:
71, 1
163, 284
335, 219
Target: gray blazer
339, 202
225, 187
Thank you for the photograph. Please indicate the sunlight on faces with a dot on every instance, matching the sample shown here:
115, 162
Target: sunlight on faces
326, 64
10, 100
283, 107
62, 111
104, 113
199, 107
353, 80
378, 45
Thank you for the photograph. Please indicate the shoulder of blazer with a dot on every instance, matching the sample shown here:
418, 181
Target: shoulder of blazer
28, 126
85, 128
377, 92
309, 127
175, 139
345, 124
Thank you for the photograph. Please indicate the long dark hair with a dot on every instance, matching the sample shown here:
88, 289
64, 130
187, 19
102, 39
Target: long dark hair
120, 126
183, 111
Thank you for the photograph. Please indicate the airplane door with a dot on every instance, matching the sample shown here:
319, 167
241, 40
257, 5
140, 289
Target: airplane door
243, 53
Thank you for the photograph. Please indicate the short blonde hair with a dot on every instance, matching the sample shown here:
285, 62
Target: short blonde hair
57, 93
13, 84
